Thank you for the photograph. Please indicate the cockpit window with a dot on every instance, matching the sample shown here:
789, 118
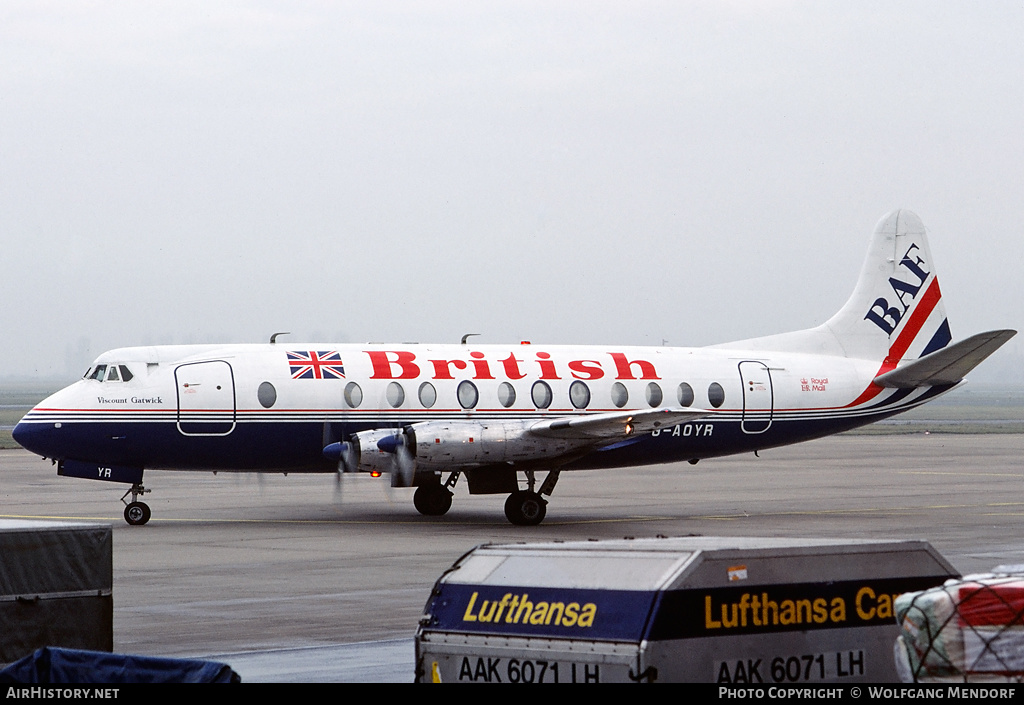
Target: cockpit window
109, 373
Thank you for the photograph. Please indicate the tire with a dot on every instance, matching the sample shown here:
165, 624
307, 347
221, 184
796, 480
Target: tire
137, 513
432, 500
525, 508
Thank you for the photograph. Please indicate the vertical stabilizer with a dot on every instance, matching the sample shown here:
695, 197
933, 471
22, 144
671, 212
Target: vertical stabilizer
895, 311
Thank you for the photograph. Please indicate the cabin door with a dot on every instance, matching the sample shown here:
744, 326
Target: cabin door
206, 398
757, 396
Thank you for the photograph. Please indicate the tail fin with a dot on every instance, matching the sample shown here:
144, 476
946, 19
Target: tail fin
895, 311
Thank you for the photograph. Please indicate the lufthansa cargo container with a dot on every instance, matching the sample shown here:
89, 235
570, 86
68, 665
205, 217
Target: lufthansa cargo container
696, 609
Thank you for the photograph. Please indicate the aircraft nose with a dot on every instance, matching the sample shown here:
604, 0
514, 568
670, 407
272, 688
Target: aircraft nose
36, 437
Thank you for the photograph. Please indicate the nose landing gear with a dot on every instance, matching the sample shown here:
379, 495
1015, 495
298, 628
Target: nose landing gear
136, 513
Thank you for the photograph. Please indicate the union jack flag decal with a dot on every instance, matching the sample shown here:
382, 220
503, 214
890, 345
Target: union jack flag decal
316, 365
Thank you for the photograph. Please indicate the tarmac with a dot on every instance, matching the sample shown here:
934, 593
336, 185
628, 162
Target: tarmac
304, 579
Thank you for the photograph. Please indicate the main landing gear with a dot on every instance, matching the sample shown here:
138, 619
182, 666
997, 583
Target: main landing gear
528, 507
136, 513
523, 507
433, 500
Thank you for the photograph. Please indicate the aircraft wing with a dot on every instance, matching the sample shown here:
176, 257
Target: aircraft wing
948, 365
616, 424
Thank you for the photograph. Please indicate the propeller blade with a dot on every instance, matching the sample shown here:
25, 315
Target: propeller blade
403, 462
406, 465
345, 454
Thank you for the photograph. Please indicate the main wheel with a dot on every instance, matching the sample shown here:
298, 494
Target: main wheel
525, 508
432, 500
137, 513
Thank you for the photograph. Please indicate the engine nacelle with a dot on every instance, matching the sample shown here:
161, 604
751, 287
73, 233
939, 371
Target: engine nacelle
365, 456
438, 445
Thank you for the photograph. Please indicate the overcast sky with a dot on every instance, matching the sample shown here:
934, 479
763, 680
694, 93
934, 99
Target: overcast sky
562, 172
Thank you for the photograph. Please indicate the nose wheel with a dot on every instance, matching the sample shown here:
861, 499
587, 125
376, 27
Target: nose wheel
136, 513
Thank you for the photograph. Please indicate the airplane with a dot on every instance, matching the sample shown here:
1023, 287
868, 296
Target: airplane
495, 413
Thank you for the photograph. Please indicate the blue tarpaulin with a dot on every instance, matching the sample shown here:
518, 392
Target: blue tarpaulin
53, 665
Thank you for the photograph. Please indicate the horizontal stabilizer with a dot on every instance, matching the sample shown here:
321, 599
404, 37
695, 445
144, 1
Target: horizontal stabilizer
948, 365
617, 424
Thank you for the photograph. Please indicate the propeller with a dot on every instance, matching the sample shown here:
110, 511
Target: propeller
346, 455
398, 443
406, 464
400, 446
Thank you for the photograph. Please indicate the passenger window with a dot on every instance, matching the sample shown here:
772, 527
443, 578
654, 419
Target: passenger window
506, 394
579, 395
541, 394
468, 394
428, 395
685, 394
266, 394
619, 394
716, 395
353, 395
654, 395
395, 394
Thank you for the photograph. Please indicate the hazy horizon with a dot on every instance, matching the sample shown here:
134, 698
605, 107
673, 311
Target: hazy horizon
566, 172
